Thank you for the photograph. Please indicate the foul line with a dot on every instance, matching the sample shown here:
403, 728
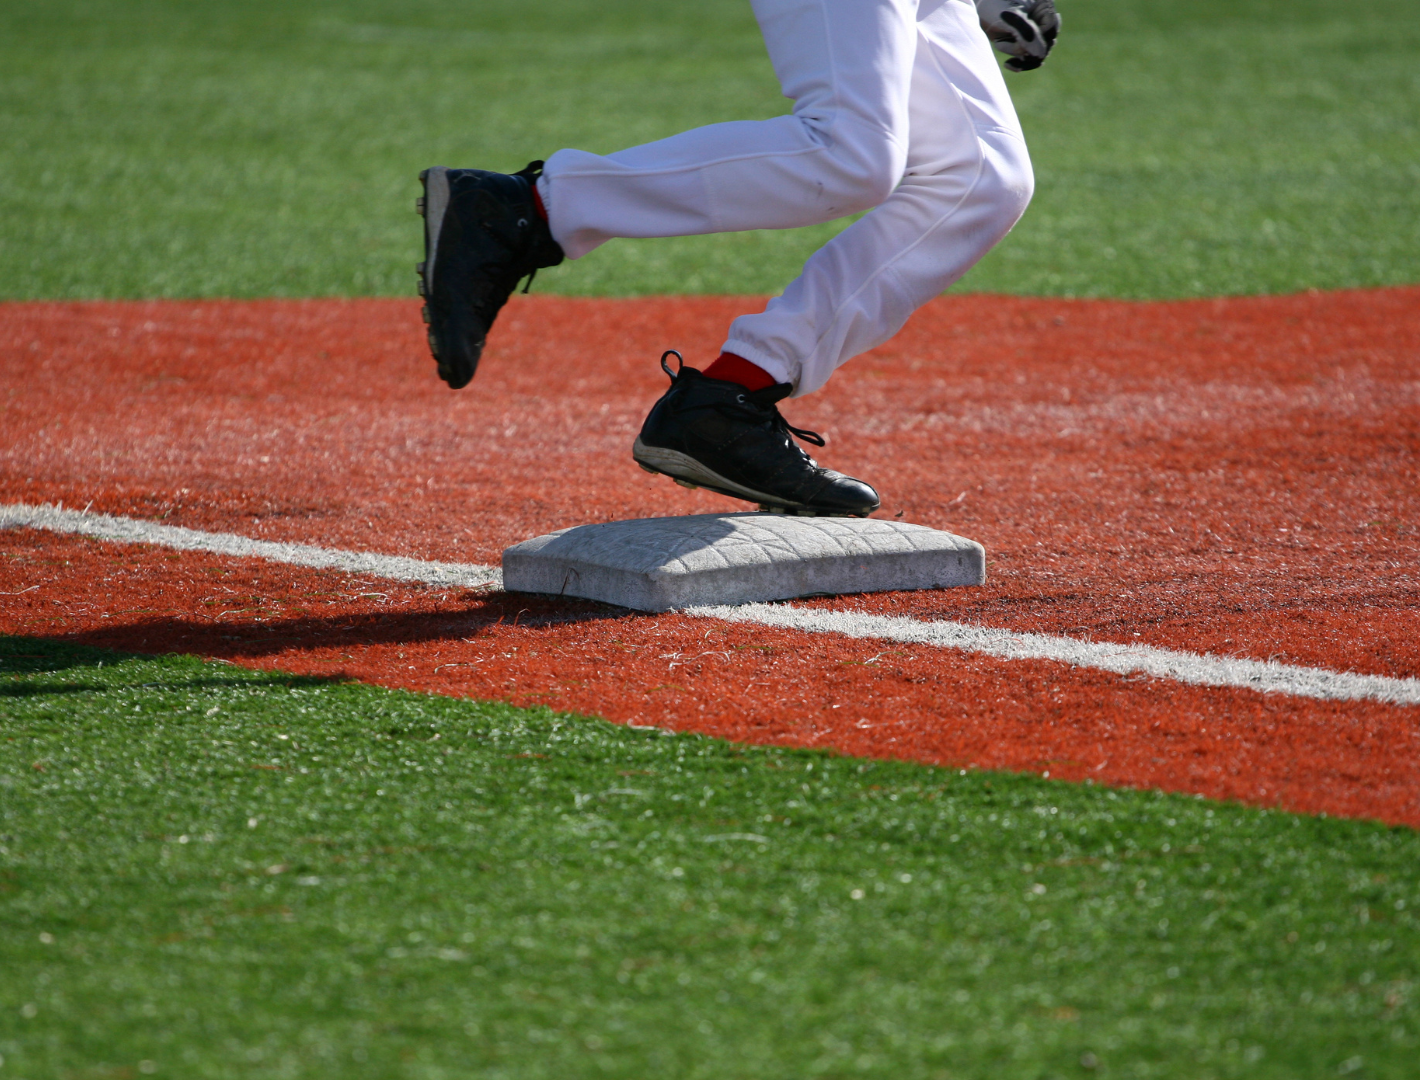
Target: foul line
1198, 669
133, 531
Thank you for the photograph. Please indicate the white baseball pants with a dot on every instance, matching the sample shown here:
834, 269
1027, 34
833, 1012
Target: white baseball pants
899, 105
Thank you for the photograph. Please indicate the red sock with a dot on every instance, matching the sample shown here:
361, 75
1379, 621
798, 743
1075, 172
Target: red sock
737, 369
537, 202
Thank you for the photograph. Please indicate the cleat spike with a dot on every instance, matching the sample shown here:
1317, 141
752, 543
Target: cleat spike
425, 313
423, 289
685, 483
419, 206
419, 267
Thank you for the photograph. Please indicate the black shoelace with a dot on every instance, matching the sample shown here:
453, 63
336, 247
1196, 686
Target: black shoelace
507, 285
754, 414
530, 173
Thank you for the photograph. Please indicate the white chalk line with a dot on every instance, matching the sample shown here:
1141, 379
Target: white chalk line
133, 531
1197, 669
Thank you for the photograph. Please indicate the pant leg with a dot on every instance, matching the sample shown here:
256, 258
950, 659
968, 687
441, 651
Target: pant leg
846, 65
968, 180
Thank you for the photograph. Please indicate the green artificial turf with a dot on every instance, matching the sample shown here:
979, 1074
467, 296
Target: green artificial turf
212, 872
260, 148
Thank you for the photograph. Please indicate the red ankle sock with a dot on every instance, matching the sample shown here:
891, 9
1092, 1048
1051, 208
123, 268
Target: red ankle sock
737, 369
537, 202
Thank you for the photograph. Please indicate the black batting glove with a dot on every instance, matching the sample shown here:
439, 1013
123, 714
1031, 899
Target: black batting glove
1025, 30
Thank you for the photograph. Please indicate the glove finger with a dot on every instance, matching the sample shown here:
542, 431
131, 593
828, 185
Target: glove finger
1044, 15
1047, 19
1005, 41
1032, 42
1024, 28
1024, 63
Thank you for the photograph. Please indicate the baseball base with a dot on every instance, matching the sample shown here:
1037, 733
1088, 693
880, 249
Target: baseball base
661, 564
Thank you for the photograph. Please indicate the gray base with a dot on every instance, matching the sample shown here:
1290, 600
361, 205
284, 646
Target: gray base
657, 564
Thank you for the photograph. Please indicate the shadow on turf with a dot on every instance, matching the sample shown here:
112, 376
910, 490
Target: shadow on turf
250, 640
48, 656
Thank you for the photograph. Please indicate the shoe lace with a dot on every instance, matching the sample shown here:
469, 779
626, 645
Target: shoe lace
530, 173
758, 414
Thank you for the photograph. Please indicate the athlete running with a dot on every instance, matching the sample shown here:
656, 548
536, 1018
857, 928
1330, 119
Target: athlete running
899, 108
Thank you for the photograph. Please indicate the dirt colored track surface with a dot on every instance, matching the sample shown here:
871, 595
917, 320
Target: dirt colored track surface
1235, 476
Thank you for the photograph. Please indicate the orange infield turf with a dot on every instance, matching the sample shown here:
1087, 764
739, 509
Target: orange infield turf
1228, 476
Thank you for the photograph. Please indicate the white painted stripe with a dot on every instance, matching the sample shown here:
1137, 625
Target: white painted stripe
1199, 669
132, 531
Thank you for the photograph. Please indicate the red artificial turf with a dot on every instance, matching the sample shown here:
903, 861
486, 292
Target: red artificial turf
732, 680
1232, 476
1235, 476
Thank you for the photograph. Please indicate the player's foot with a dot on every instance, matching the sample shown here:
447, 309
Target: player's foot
714, 434
482, 235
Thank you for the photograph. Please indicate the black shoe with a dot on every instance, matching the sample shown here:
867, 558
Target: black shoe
482, 235
715, 434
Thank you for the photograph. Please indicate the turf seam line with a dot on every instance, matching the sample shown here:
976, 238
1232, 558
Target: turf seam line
134, 531
1199, 669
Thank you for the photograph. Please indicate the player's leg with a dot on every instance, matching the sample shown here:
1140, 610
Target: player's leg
845, 63
846, 66
968, 180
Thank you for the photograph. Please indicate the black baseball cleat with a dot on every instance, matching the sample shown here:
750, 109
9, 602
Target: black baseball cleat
482, 235
715, 434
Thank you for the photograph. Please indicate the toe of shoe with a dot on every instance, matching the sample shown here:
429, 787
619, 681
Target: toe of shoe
457, 378
849, 496
457, 358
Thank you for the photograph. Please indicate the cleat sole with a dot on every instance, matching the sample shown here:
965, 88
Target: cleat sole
436, 204
432, 205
